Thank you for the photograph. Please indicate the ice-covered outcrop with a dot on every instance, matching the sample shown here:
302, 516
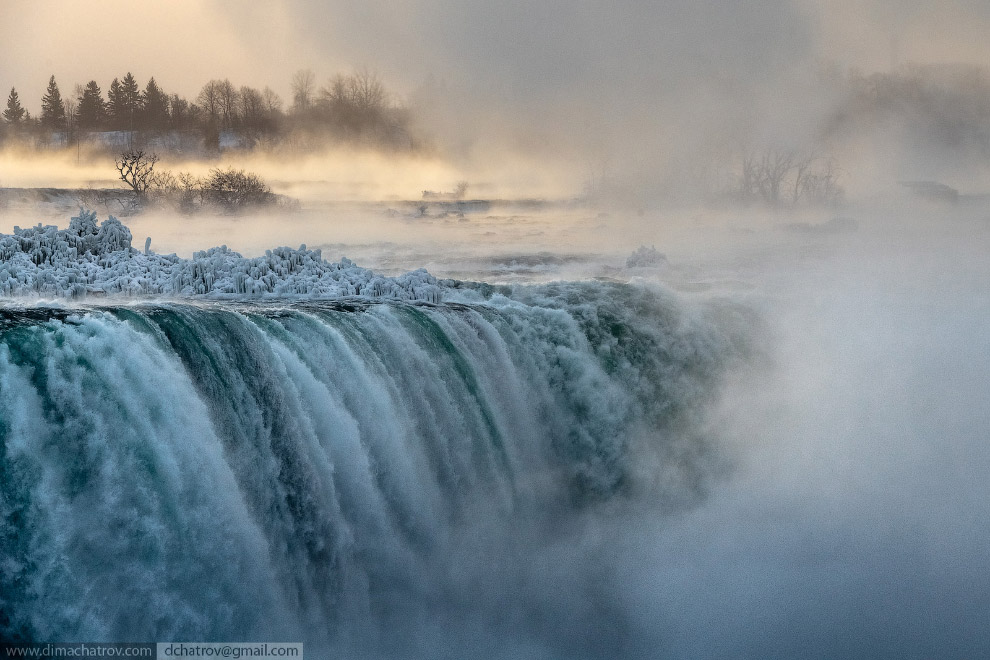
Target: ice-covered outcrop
645, 257
90, 259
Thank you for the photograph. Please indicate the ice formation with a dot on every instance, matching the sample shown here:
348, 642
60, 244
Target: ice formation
90, 259
645, 257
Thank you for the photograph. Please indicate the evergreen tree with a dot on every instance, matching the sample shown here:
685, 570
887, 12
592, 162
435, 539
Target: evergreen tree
179, 111
131, 97
14, 112
91, 111
155, 111
116, 106
124, 103
52, 107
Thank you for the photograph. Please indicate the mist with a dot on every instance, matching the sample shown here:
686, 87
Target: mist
850, 528
651, 96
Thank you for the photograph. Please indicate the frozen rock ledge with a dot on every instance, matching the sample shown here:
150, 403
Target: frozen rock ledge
90, 259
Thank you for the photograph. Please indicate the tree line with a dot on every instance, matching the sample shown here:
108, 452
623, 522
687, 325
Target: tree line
930, 119
352, 108
940, 111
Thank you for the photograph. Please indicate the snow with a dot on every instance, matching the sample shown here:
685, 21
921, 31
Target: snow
90, 259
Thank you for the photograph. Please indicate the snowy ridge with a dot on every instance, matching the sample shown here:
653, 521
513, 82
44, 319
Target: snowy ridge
87, 259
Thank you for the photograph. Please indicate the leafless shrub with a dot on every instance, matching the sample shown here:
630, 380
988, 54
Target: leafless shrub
181, 190
234, 190
229, 190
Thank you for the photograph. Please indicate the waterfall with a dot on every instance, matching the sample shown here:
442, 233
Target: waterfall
347, 473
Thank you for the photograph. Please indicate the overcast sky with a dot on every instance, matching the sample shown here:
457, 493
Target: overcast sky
512, 47
557, 71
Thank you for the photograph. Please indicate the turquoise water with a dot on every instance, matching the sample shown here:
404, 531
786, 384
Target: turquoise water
347, 474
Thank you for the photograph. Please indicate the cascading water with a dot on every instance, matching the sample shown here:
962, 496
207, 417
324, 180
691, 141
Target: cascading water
369, 477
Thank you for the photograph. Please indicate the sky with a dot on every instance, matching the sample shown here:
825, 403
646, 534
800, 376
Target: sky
587, 81
514, 51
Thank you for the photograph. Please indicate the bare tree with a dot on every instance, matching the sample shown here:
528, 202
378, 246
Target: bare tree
356, 105
209, 100
821, 186
772, 168
763, 175
802, 170
768, 175
303, 88
70, 112
252, 109
336, 92
367, 91
271, 101
227, 96
136, 169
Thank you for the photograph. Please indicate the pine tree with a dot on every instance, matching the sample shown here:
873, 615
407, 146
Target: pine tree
14, 112
52, 108
91, 112
155, 107
131, 97
116, 106
180, 114
124, 103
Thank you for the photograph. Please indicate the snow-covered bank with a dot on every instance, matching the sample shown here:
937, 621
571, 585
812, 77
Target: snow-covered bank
91, 259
